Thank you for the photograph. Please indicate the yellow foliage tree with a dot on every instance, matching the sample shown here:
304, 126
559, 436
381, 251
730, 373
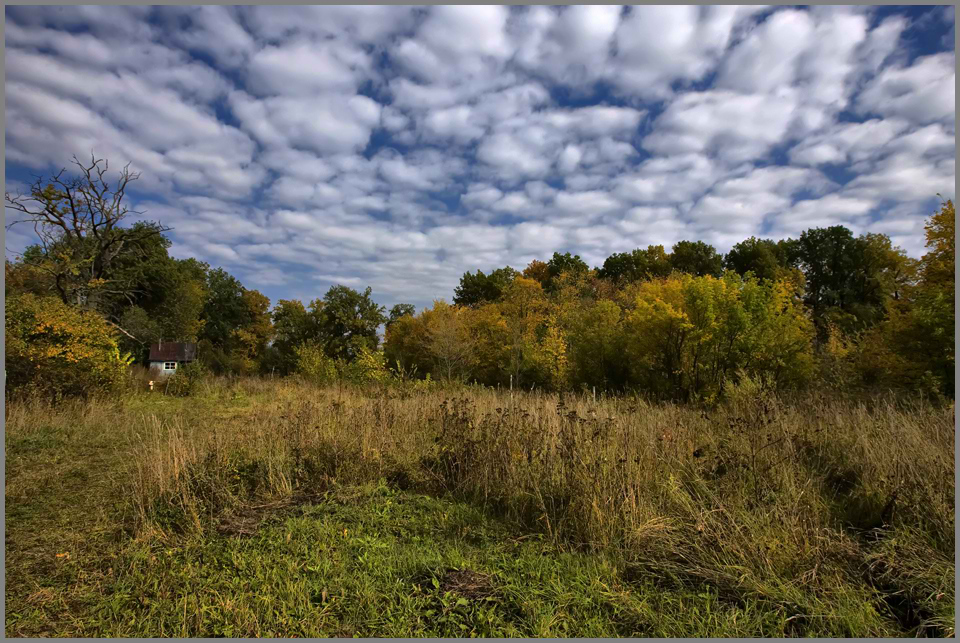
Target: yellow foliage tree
689, 336
58, 349
920, 326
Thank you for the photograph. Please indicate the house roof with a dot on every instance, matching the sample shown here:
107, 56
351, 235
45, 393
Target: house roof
173, 352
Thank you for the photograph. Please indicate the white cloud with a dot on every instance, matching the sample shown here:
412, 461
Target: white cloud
514, 155
304, 68
732, 126
660, 45
454, 122
922, 93
570, 46
847, 142
399, 147
330, 123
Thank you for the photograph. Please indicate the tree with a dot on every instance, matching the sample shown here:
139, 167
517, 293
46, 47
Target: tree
849, 279
149, 274
144, 330
449, 342
935, 307
921, 324
696, 258
538, 271
294, 325
887, 273
624, 267
765, 258
688, 336
565, 263
524, 310
405, 344
251, 338
400, 310
225, 310
596, 340
478, 289
349, 321
60, 349
22, 277
490, 344
181, 312
78, 221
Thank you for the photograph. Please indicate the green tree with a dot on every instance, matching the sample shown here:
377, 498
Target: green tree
625, 267
765, 258
696, 258
349, 322
405, 344
401, 310
180, 314
922, 323
251, 338
849, 279
225, 309
294, 325
689, 336
596, 341
143, 328
565, 263
478, 289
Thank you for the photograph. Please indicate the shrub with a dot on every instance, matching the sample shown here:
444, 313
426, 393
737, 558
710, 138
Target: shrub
370, 367
187, 379
314, 364
58, 350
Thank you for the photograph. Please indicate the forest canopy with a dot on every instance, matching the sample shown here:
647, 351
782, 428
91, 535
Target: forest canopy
679, 324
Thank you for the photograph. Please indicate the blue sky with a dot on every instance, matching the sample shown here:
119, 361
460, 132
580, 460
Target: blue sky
397, 147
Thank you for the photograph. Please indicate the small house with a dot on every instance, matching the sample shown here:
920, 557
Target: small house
166, 357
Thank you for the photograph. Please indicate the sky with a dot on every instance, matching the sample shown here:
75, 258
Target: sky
398, 147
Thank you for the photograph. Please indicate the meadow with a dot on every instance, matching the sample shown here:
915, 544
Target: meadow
276, 507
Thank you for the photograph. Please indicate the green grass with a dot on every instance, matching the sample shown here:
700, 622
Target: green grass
361, 556
373, 561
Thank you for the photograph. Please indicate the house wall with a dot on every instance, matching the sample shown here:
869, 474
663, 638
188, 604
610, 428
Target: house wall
157, 367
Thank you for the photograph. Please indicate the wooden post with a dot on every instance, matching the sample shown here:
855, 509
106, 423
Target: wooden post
594, 394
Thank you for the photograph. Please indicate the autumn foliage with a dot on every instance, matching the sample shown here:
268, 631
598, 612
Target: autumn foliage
59, 349
680, 336
829, 307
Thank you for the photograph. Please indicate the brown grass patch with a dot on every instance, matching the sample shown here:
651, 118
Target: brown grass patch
467, 583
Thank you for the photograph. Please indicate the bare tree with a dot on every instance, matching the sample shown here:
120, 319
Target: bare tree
77, 220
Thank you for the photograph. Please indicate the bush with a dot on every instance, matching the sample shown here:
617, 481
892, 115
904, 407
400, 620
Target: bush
370, 367
187, 379
58, 350
314, 364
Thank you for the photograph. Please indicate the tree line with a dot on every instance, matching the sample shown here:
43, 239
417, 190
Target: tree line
682, 324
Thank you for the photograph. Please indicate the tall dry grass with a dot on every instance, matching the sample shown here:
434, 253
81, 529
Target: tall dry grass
809, 505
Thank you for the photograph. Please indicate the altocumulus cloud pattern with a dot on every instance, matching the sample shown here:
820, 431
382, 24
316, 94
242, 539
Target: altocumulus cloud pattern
399, 147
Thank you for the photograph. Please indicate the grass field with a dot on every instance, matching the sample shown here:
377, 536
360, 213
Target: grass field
258, 507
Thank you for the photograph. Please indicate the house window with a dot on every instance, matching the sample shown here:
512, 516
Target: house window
169, 366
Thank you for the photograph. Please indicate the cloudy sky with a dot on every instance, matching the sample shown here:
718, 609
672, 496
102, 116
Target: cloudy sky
394, 147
